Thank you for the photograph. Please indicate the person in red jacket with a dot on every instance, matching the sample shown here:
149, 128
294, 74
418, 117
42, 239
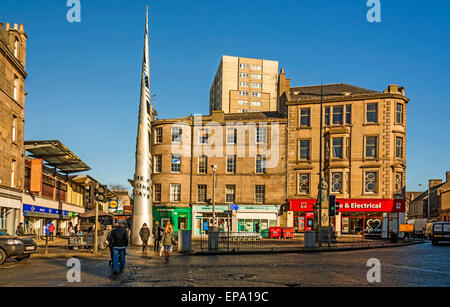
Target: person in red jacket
51, 229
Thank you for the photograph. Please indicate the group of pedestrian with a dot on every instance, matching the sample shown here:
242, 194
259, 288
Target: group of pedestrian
118, 239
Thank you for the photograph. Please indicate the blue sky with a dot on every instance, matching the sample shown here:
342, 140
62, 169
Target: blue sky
84, 78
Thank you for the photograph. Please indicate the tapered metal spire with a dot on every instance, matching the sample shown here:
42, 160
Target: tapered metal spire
143, 200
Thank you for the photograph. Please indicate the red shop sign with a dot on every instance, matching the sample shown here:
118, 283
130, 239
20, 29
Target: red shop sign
352, 205
303, 205
371, 205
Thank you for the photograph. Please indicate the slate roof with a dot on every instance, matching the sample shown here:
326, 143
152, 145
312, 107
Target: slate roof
330, 91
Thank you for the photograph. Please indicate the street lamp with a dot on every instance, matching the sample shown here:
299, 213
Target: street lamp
214, 169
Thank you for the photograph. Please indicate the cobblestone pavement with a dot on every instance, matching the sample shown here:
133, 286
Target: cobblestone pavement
416, 265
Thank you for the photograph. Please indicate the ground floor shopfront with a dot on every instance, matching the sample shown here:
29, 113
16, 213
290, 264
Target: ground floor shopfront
10, 203
235, 218
38, 213
360, 217
179, 217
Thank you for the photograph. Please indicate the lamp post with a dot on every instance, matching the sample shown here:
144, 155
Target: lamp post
214, 169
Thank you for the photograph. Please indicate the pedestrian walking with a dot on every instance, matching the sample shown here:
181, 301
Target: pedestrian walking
144, 233
111, 248
119, 241
20, 231
51, 230
168, 240
258, 228
156, 236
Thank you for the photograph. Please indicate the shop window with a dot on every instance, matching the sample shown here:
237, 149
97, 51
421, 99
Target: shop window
303, 184
336, 183
370, 182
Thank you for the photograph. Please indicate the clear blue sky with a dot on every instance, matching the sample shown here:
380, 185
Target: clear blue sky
84, 78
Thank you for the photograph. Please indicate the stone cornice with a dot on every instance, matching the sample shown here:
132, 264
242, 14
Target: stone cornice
347, 99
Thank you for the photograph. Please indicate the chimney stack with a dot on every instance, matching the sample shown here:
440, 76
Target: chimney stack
434, 182
447, 176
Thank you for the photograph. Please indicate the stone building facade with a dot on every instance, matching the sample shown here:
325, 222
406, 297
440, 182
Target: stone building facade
12, 117
363, 150
249, 153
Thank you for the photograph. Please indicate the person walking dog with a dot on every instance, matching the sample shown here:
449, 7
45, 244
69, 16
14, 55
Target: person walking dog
167, 239
144, 233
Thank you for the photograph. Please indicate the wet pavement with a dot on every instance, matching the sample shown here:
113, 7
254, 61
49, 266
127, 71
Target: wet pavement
416, 265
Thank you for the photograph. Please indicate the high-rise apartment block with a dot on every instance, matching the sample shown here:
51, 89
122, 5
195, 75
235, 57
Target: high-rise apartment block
244, 85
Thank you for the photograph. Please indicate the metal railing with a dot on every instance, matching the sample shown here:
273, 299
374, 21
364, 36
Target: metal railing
242, 242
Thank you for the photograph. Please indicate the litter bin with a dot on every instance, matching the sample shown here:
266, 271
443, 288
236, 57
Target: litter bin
288, 233
310, 239
213, 238
184, 241
275, 232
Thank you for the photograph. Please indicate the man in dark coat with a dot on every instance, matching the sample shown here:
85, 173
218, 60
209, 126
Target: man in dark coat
144, 233
119, 242
156, 236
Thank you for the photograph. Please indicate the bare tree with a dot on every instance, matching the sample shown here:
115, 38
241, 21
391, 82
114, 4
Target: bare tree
116, 187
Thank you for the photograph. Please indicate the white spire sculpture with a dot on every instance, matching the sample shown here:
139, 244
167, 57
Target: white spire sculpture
143, 200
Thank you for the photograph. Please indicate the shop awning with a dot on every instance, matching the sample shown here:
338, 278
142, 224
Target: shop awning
56, 155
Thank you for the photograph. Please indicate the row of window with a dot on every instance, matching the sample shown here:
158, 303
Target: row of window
247, 66
202, 192
253, 103
246, 84
337, 148
336, 186
340, 115
247, 75
247, 94
175, 164
203, 135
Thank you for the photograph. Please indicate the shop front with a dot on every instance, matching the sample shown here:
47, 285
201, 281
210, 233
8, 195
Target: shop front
202, 216
179, 217
37, 219
256, 218
358, 217
9, 213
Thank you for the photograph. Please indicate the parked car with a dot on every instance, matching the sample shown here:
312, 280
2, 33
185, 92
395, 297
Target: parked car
18, 248
440, 232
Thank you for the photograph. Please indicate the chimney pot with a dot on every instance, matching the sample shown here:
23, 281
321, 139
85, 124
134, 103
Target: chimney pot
16, 26
7, 27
